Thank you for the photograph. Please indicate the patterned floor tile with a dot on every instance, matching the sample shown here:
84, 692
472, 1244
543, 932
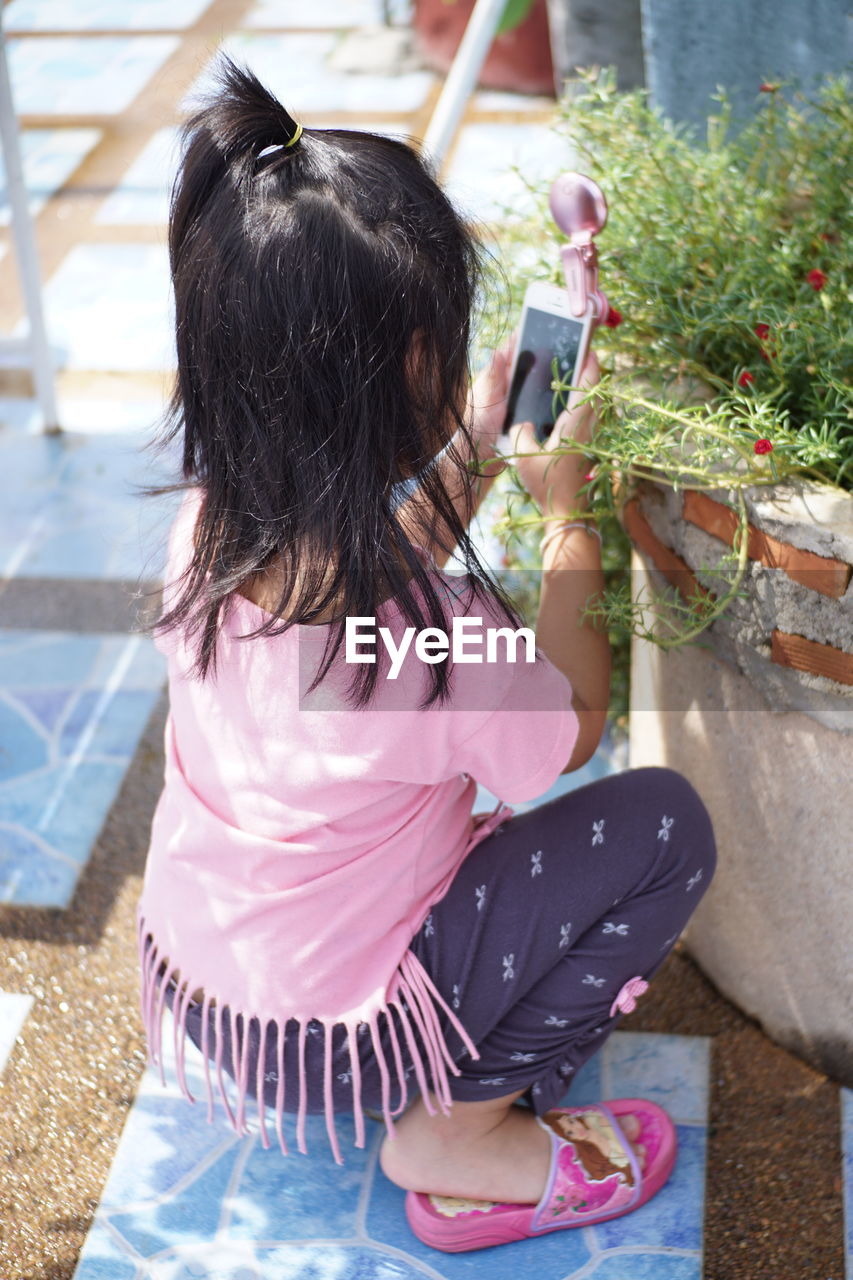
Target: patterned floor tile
331, 13
189, 1199
847, 1174
49, 157
142, 196
103, 416
72, 511
295, 68
72, 709
498, 100
20, 414
109, 307
13, 1010
101, 15
85, 75
479, 179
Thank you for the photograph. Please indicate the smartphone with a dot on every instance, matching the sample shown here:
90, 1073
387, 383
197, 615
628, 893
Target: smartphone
552, 343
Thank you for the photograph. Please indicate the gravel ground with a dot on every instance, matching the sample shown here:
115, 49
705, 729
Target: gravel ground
73, 1074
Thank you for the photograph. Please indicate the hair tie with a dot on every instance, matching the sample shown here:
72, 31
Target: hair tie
281, 146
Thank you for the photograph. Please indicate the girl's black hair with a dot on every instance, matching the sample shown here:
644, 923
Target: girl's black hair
323, 294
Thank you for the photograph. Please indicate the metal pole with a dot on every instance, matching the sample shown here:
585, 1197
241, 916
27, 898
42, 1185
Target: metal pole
462, 77
26, 253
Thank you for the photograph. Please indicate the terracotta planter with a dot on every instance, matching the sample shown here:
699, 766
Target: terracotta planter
799, 617
760, 718
519, 60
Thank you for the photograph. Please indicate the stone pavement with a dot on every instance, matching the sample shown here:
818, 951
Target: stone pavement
105, 1173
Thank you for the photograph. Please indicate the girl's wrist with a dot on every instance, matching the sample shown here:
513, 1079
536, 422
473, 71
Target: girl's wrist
556, 529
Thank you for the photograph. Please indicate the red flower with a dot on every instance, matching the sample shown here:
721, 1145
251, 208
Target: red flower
762, 333
590, 475
817, 278
745, 379
763, 446
767, 87
614, 318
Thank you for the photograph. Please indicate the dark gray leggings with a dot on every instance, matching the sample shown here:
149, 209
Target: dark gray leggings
545, 922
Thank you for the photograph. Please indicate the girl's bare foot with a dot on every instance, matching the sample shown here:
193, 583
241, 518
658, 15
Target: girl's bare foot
630, 1126
483, 1151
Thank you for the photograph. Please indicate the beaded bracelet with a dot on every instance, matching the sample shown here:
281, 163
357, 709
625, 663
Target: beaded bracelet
569, 524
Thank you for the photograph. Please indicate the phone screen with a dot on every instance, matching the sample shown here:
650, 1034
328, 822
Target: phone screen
544, 338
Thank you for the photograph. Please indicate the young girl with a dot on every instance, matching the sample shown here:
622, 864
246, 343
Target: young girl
323, 914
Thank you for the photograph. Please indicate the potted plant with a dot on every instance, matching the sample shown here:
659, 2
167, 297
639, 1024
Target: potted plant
725, 454
520, 56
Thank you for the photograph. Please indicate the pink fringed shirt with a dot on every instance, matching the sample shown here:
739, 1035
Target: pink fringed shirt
299, 844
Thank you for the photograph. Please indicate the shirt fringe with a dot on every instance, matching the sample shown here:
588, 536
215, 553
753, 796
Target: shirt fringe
413, 997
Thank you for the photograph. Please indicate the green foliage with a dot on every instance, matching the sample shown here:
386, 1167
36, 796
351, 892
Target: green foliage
514, 14
730, 262
515, 11
706, 244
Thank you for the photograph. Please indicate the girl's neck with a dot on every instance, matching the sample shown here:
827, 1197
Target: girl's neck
264, 589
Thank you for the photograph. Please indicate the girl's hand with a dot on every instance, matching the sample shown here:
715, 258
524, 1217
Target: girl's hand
487, 399
553, 479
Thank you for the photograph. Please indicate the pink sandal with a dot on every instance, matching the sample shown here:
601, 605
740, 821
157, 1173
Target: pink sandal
594, 1176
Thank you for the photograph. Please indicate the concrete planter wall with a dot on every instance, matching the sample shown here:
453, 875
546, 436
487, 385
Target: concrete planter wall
601, 33
690, 49
760, 718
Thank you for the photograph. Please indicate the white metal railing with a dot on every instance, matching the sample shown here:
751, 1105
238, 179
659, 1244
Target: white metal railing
34, 347
462, 77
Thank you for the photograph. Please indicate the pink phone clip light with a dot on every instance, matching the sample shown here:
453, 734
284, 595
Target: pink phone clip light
580, 210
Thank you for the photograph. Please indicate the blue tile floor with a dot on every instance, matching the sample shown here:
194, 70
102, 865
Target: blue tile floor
295, 66
72, 710
13, 1010
484, 176
49, 157
332, 14
142, 196
105, 15
72, 510
78, 75
109, 308
190, 1199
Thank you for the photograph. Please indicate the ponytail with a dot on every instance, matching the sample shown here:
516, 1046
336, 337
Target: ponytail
238, 125
245, 117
